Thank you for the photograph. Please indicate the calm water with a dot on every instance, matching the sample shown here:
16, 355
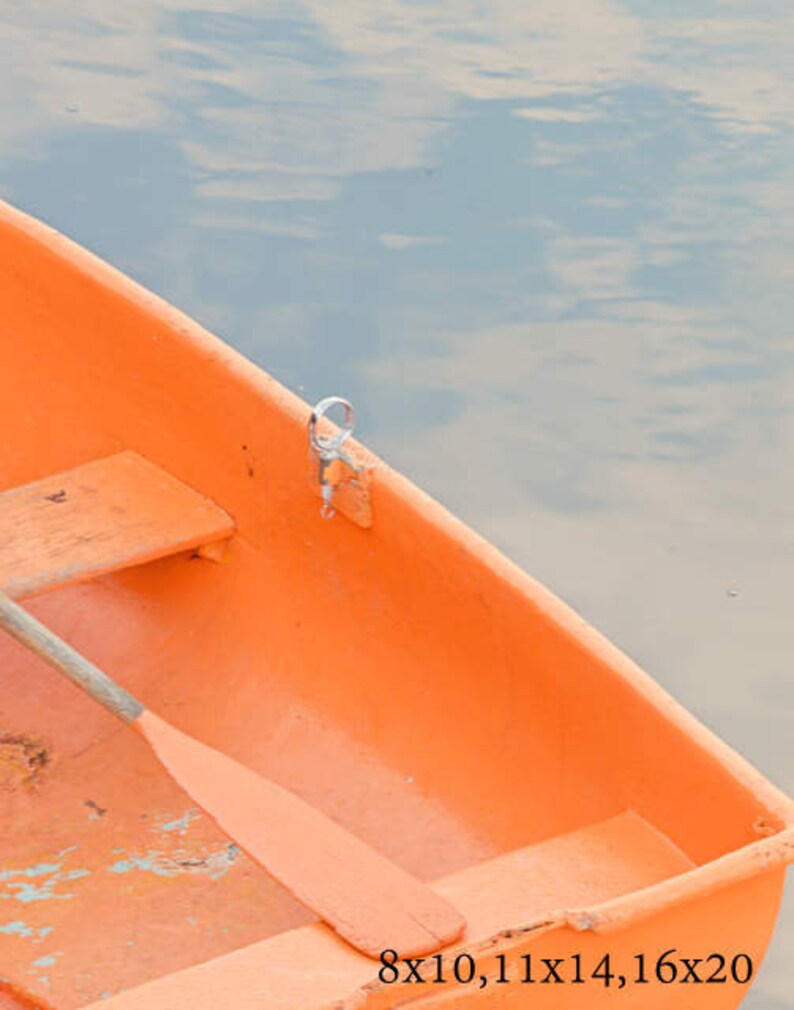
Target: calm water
547, 249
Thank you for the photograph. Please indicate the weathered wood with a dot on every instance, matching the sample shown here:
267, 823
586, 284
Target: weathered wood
98, 518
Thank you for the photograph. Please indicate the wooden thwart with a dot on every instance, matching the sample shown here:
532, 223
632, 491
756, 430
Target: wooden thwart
98, 518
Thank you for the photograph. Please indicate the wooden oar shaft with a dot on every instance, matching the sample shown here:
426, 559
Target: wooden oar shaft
23, 626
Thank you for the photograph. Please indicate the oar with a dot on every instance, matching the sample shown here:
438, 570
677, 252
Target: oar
367, 899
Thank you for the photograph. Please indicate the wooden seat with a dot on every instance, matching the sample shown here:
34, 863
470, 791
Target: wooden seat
98, 518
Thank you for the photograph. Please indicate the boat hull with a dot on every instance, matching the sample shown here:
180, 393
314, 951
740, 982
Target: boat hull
405, 678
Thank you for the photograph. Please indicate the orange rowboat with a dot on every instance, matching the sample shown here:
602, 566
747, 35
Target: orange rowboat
164, 511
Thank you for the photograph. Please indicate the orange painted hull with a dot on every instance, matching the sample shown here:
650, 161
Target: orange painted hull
405, 678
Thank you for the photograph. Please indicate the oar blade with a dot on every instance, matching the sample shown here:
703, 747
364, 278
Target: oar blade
374, 904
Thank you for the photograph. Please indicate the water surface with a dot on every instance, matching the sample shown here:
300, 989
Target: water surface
547, 249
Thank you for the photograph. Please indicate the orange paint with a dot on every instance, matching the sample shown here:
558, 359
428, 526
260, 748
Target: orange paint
405, 679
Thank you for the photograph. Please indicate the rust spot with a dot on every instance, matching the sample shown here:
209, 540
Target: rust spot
22, 760
99, 811
764, 827
58, 497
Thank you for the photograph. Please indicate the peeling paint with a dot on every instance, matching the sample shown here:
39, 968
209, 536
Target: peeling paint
153, 864
27, 890
181, 824
75, 874
32, 892
214, 864
47, 961
17, 928
31, 871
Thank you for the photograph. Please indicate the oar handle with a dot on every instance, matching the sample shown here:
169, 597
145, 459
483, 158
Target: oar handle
26, 629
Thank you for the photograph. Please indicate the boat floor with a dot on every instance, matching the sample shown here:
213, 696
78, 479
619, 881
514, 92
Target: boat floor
89, 913
110, 876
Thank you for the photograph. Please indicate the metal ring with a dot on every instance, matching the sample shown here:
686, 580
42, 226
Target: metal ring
326, 446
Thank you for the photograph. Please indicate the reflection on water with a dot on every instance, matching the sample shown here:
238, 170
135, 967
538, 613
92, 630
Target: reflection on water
547, 249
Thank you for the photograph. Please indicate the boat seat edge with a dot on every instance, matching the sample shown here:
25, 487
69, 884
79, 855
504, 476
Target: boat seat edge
103, 516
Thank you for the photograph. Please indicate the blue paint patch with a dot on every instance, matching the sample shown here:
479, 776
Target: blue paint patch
45, 931
31, 871
47, 961
150, 864
181, 824
223, 860
31, 892
213, 864
17, 928
26, 890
